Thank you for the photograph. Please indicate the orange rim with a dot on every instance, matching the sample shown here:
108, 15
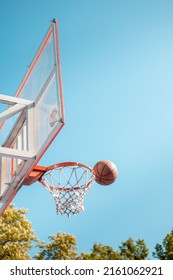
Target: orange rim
66, 164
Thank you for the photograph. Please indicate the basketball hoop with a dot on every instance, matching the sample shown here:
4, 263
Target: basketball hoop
68, 182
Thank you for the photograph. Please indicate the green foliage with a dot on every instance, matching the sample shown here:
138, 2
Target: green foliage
62, 247
17, 238
16, 235
101, 252
129, 250
134, 250
165, 251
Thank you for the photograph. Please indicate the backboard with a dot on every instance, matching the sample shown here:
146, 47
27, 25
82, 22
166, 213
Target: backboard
31, 120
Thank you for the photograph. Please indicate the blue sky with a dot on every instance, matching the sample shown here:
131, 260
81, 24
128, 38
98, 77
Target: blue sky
117, 68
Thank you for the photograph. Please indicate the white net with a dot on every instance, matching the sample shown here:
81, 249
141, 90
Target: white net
68, 185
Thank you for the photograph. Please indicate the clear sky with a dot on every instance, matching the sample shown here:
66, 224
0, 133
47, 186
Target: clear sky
117, 69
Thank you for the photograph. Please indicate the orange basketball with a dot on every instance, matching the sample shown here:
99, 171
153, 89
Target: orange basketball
105, 172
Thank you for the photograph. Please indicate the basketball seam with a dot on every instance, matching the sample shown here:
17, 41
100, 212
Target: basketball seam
103, 170
109, 172
98, 177
107, 180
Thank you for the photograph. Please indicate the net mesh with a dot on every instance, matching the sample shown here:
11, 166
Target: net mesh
68, 185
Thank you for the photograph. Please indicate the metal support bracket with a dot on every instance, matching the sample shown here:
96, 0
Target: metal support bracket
14, 153
17, 152
11, 100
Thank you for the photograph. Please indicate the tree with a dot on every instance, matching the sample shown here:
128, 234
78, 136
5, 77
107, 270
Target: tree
165, 251
62, 247
134, 250
16, 235
101, 252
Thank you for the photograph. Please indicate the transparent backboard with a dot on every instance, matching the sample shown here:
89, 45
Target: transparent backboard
30, 122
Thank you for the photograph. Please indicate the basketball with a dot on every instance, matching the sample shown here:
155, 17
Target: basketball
105, 172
